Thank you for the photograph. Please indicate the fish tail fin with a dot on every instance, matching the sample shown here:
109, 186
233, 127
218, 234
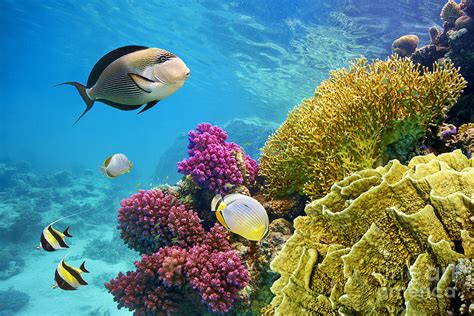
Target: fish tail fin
83, 267
82, 91
67, 233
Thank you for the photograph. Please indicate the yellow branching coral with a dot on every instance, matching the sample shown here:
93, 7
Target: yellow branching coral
383, 241
358, 118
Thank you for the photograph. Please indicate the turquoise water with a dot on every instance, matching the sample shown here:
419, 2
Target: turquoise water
249, 60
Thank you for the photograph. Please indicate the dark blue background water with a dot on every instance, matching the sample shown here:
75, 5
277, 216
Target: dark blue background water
247, 58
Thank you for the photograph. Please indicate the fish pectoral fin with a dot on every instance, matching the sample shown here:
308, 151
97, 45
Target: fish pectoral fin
143, 83
148, 106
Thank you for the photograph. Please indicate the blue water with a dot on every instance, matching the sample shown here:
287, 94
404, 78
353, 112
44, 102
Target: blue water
248, 59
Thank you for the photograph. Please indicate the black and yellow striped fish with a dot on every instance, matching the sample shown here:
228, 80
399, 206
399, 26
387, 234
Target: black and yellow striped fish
69, 278
52, 239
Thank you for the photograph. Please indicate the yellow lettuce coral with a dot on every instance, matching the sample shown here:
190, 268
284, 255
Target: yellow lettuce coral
382, 241
359, 118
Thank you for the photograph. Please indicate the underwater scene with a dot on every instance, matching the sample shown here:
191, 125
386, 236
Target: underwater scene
207, 157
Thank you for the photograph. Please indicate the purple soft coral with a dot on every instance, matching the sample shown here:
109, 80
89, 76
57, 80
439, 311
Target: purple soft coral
152, 219
213, 163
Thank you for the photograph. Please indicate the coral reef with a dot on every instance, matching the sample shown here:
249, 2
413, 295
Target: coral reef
450, 12
12, 301
249, 133
163, 279
405, 46
458, 138
286, 207
359, 118
142, 291
215, 164
258, 260
216, 272
383, 241
455, 41
151, 219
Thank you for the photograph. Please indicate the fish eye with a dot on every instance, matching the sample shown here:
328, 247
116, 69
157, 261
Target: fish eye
162, 59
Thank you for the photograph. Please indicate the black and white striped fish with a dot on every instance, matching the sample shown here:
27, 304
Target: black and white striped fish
131, 76
69, 278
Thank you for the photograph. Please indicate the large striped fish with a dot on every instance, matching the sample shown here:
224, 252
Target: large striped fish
131, 76
69, 278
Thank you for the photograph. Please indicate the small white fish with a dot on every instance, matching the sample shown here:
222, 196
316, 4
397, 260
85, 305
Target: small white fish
242, 215
116, 165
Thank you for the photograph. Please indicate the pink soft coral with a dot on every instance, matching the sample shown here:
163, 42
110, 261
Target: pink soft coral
142, 291
153, 218
215, 164
214, 269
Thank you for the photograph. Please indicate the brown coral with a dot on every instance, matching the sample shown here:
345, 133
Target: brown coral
405, 45
383, 241
450, 12
464, 22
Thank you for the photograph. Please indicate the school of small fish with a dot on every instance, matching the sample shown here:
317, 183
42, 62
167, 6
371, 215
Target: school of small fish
127, 78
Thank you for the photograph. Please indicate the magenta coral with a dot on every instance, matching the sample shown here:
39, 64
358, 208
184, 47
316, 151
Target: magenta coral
151, 219
171, 262
141, 291
215, 164
218, 276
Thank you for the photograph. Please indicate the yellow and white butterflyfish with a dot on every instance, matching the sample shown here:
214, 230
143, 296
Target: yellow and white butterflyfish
242, 215
116, 165
69, 278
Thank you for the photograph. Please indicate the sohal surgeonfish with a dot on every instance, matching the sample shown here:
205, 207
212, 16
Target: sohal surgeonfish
242, 215
131, 76
69, 278
116, 165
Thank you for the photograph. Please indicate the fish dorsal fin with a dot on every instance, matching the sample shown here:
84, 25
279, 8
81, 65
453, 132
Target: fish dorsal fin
109, 58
